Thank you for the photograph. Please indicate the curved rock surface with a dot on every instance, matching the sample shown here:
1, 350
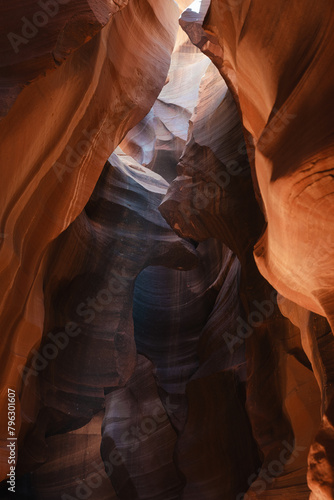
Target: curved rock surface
74, 467
88, 343
142, 331
136, 428
286, 107
158, 140
281, 90
67, 124
36, 37
213, 196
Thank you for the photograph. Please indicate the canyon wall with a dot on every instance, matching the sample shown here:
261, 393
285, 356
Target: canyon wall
56, 137
166, 305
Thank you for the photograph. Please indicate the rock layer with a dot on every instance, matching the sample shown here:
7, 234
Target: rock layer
36, 37
137, 430
290, 133
49, 178
281, 88
88, 344
145, 368
213, 195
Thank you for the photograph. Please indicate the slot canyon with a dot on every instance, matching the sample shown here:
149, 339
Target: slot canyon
167, 250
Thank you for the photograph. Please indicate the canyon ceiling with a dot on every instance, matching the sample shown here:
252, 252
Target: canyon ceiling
167, 249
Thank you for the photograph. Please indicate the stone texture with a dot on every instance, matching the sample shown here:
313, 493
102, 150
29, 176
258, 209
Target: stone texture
158, 140
274, 59
66, 124
143, 332
287, 117
37, 37
74, 466
88, 343
213, 195
137, 429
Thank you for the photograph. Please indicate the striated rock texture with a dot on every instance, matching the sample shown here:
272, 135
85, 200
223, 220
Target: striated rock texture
136, 429
37, 37
217, 432
253, 348
318, 344
158, 140
88, 345
66, 124
152, 357
274, 59
74, 467
284, 97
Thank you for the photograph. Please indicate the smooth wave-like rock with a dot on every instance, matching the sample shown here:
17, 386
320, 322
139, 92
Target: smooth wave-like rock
151, 355
74, 468
65, 126
137, 429
158, 140
291, 149
217, 391
274, 58
213, 195
170, 309
88, 343
36, 37
318, 344
179, 319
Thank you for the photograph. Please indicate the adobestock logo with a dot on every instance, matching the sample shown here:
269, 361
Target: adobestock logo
131, 440
54, 342
260, 481
201, 198
149, 425
219, 181
40, 18
245, 329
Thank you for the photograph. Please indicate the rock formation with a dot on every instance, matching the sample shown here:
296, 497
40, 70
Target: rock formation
89, 303
65, 125
290, 155
284, 100
166, 249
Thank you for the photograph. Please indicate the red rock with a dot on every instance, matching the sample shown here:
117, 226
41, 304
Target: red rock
241, 387
66, 124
